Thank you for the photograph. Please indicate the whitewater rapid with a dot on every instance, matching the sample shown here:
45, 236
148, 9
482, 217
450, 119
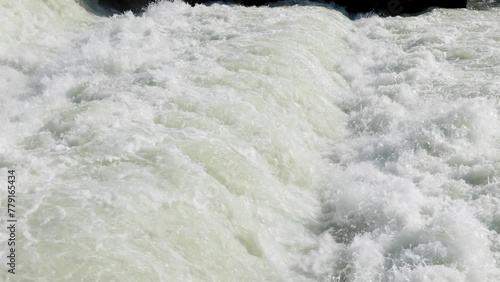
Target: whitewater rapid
229, 143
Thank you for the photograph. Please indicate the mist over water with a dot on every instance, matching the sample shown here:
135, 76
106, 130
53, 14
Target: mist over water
228, 143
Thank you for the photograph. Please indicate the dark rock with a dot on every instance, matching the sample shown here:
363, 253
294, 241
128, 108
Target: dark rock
381, 7
135, 6
397, 7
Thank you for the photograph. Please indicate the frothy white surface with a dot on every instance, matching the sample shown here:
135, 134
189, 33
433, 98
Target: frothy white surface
226, 143
414, 191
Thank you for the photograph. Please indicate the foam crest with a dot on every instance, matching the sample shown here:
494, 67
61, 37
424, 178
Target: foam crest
186, 142
422, 142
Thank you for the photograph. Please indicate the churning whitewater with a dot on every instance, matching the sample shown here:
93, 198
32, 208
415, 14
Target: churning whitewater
230, 143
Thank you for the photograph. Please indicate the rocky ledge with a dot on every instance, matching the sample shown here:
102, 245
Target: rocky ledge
381, 7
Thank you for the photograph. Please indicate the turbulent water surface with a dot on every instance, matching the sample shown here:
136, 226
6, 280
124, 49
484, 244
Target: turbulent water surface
229, 143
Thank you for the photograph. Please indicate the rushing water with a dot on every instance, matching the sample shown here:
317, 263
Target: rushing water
229, 143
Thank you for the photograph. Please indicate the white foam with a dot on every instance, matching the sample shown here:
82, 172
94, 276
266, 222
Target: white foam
424, 136
182, 145
228, 143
